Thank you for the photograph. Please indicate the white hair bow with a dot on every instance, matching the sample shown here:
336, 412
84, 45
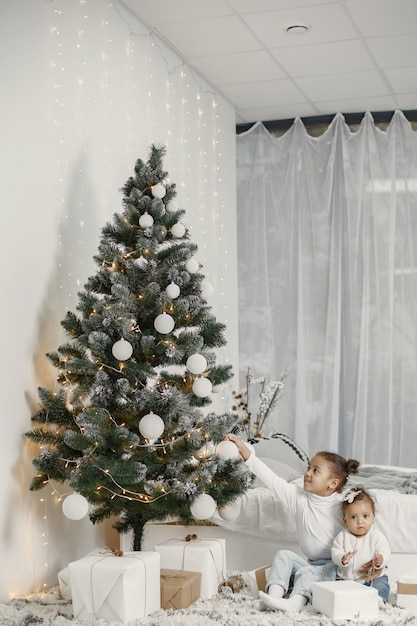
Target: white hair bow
350, 495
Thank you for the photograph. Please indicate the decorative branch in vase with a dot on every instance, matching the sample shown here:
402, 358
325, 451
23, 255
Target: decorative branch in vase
269, 396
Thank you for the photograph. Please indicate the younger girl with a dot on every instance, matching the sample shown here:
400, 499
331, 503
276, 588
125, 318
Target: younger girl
360, 542
316, 509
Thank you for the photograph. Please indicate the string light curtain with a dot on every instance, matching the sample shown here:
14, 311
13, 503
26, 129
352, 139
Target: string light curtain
327, 232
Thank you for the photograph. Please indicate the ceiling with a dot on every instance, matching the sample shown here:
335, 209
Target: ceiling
356, 56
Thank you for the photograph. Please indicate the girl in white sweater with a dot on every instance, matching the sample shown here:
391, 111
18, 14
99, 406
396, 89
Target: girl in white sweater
360, 542
316, 509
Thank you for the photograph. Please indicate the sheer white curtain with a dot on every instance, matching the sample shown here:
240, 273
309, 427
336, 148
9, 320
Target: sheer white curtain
327, 235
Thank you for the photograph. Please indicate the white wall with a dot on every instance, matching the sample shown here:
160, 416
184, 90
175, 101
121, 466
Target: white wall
85, 90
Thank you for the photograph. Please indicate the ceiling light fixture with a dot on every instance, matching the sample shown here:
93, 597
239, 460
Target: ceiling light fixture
297, 29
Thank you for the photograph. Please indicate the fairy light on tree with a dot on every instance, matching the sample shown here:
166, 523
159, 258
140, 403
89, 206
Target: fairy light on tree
129, 427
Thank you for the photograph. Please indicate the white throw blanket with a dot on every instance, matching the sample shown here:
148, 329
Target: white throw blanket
377, 477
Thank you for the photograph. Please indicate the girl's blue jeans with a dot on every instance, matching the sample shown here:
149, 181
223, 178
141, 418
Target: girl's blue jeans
288, 567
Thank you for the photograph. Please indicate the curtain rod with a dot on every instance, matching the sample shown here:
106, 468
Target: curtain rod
380, 117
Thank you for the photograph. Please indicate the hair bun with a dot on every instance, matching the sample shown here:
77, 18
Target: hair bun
352, 466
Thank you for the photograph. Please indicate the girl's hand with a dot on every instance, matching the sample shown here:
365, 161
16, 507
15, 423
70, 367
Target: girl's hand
244, 451
369, 572
348, 556
378, 560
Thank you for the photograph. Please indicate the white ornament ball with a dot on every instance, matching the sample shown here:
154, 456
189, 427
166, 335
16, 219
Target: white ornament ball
158, 191
230, 511
203, 507
192, 266
172, 206
164, 323
196, 364
151, 426
75, 506
142, 262
205, 452
178, 230
206, 290
122, 350
202, 387
172, 291
227, 450
146, 220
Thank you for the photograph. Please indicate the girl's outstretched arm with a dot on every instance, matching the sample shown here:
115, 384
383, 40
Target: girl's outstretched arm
244, 451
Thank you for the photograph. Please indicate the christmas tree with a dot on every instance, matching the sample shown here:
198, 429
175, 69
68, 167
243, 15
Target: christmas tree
129, 428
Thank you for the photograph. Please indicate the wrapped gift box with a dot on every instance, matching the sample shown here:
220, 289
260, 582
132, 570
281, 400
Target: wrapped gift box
257, 579
64, 576
179, 588
207, 556
345, 599
120, 588
64, 582
407, 591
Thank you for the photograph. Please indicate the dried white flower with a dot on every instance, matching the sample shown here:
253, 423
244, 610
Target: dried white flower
269, 397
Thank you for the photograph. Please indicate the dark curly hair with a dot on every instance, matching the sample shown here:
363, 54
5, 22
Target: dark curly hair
340, 467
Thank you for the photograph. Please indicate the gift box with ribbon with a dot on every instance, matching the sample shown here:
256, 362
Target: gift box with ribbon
179, 588
345, 599
207, 556
120, 588
407, 591
64, 576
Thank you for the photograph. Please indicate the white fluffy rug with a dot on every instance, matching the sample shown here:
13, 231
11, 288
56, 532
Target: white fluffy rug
234, 609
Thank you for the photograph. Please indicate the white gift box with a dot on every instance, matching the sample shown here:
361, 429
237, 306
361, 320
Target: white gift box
64, 582
407, 591
120, 588
345, 599
64, 576
207, 556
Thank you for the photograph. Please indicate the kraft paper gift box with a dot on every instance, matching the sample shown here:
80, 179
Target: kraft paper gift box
257, 579
407, 591
119, 588
207, 556
179, 588
345, 599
